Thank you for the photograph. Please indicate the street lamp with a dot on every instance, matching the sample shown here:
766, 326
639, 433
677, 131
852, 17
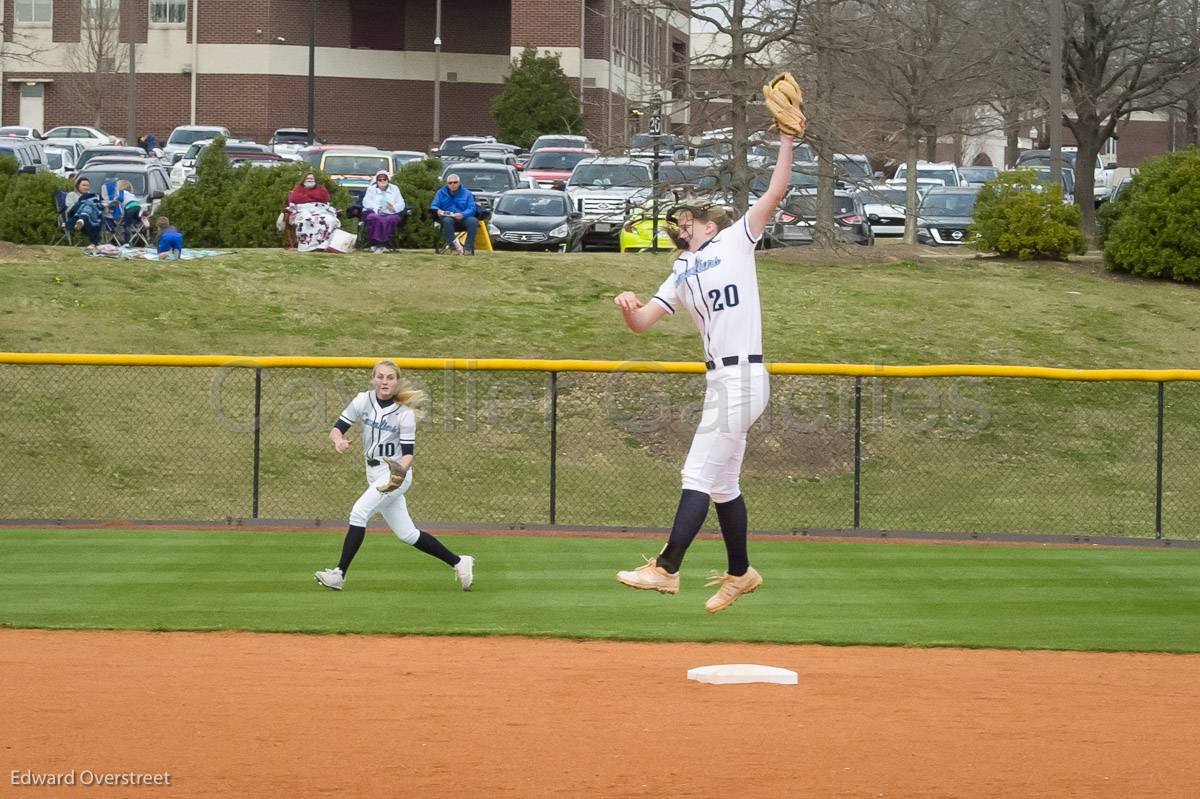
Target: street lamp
437, 75
312, 71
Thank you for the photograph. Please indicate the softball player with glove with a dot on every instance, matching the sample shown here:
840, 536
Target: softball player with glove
714, 278
389, 425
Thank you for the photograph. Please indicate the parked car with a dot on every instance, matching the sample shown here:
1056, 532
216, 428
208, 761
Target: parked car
21, 131
90, 137
884, 207
567, 140
549, 165
185, 135
638, 232
945, 215
315, 154
603, 190
60, 160
108, 150
978, 175
852, 169
288, 142
642, 145
944, 171
1100, 172
355, 167
536, 219
486, 181
185, 168
148, 180
494, 152
453, 147
1066, 180
794, 221
28, 152
402, 157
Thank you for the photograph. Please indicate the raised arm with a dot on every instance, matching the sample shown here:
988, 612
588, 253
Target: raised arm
638, 317
759, 215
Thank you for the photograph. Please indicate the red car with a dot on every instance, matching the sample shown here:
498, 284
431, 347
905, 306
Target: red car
549, 165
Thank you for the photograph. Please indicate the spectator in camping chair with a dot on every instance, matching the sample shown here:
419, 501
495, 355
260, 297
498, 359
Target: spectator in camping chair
85, 212
383, 212
308, 219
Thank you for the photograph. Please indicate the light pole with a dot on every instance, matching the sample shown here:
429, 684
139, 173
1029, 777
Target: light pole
437, 75
131, 124
312, 71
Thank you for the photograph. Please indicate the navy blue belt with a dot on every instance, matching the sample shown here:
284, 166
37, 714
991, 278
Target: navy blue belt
732, 360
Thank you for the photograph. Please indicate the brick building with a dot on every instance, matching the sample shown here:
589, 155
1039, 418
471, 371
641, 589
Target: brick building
244, 64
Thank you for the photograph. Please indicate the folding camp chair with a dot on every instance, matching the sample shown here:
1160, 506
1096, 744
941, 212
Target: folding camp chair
64, 230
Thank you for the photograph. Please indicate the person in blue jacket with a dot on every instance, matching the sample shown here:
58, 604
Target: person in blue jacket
170, 241
456, 210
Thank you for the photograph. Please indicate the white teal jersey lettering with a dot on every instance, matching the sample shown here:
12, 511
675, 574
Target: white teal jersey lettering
718, 284
385, 428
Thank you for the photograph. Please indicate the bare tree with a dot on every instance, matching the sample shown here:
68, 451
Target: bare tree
930, 61
98, 58
1121, 56
755, 31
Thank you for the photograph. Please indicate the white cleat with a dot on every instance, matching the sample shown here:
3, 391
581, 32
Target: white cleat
331, 578
465, 571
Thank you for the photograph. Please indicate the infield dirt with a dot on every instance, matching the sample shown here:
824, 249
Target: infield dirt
256, 715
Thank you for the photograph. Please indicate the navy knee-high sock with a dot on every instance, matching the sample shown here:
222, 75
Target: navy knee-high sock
732, 517
354, 539
693, 507
431, 546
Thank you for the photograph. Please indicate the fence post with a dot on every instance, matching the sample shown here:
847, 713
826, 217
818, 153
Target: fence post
553, 446
257, 436
857, 451
1158, 490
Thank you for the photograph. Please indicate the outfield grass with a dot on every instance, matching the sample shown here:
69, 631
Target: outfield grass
828, 593
982, 455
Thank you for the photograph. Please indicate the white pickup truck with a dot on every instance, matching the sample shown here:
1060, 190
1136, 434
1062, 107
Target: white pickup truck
603, 190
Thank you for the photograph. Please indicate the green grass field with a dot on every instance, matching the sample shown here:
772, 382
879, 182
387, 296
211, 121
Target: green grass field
829, 593
982, 455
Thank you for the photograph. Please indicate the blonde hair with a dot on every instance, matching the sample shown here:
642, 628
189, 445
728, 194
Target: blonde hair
124, 184
405, 394
717, 214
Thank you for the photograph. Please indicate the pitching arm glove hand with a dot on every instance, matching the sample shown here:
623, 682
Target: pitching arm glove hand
784, 100
396, 477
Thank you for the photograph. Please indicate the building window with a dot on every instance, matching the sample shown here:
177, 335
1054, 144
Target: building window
33, 11
104, 13
168, 12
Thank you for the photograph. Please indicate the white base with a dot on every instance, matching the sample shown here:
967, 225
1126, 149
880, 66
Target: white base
736, 673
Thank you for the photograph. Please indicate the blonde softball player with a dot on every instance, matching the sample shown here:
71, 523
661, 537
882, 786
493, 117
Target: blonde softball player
714, 278
389, 427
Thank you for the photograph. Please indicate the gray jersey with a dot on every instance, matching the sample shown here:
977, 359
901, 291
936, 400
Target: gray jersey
719, 285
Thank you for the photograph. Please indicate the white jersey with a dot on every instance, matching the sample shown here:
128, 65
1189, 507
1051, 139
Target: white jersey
385, 428
719, 284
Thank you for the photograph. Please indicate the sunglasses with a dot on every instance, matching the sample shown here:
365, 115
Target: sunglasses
385, 180
451, 182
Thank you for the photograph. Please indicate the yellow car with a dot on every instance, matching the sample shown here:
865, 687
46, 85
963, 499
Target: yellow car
638, 232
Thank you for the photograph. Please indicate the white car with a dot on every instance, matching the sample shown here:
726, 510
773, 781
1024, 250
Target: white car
185, 136
940, 170
884, 207
89, 137
60, 160
21, 131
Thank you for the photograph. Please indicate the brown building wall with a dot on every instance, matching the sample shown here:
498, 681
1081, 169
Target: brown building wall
1137, 141
468, 26
546, 23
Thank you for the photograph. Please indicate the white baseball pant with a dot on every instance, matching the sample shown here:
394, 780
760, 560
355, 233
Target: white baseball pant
733, 400
391, 506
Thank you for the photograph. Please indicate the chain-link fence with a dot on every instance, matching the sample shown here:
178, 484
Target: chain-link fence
577, 448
